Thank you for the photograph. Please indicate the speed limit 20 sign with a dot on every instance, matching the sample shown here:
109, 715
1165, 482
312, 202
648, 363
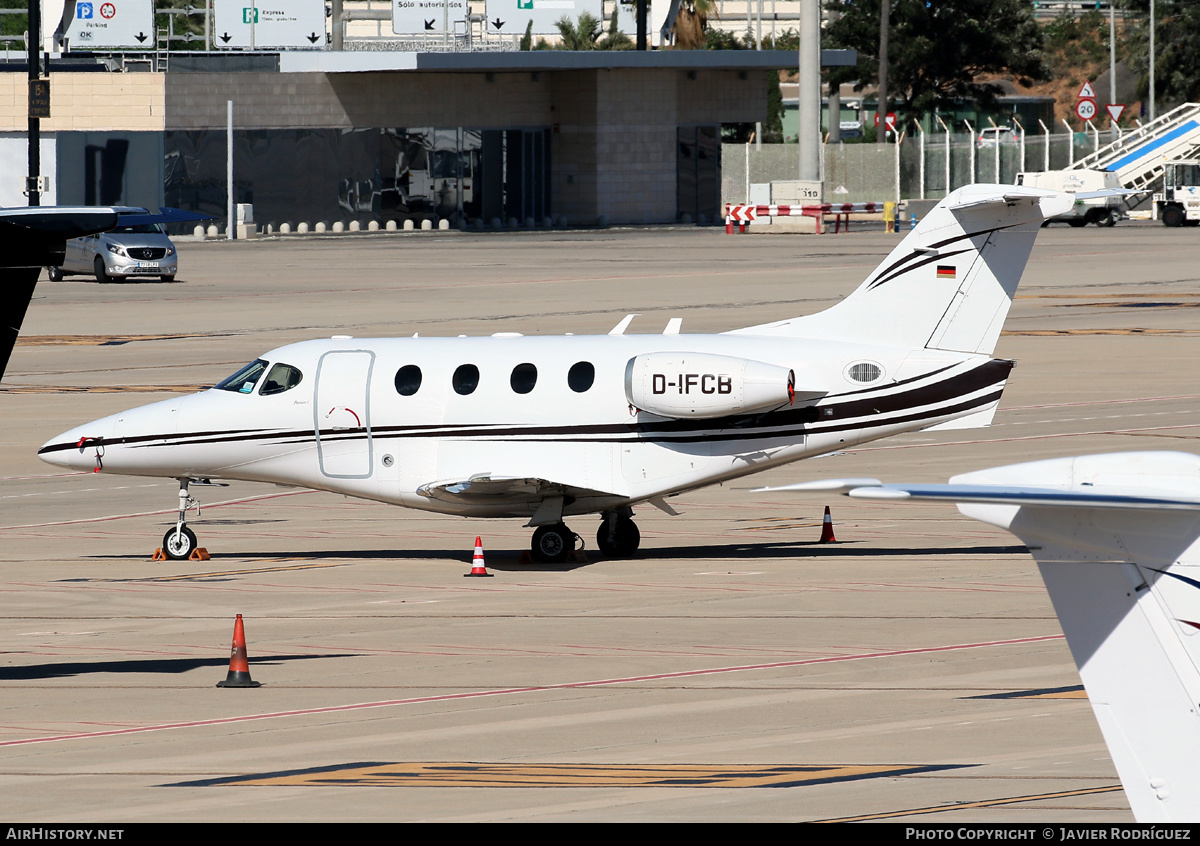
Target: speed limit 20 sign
1086, 108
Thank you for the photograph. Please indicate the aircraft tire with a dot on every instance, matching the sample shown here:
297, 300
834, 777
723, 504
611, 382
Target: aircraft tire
552, 544
100, 270
621, 542
179, 545
55, 274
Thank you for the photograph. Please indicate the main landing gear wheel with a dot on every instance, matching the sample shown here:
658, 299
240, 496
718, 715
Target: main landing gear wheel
54, 274
619, 537
179, 542
552, 544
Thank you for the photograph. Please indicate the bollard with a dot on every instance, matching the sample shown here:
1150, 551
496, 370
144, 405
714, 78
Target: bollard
443, 224
302, 227
426, 225
320, 227
391, 226
355, 226
338, 226
408, 226
212, 232
285, 229
198, 232
373, 226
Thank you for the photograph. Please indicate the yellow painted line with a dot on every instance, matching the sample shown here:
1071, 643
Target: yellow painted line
986, 803
466, 774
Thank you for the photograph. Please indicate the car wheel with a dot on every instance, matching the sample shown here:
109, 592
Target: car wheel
170, 278
55, 274
1108, 219
101, 270
1172, 216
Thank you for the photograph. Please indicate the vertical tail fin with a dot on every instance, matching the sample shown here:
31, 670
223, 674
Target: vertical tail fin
1117, 540
948, 285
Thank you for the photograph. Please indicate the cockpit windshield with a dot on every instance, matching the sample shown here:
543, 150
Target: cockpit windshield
244, 380
283, 377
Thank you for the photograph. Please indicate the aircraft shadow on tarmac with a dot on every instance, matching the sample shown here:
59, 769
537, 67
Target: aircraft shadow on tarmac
66, 669
509, 561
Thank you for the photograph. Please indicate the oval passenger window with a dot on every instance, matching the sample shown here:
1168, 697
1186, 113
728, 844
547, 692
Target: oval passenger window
524, 377
408, 380
466, 379
581, 376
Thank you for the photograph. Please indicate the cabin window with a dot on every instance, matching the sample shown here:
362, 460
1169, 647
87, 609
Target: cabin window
466, 379
524, 377
408, 380
581, 376
282, 377
244, 380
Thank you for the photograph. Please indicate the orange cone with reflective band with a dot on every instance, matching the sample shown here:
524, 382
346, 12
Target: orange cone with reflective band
827, 528
239, 665
478, 568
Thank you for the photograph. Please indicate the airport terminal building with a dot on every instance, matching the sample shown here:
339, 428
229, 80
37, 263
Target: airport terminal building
616, 137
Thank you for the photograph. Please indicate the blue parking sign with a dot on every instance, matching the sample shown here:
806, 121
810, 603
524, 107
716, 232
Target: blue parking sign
83, 11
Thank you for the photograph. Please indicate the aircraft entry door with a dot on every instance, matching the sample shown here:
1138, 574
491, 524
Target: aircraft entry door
342, 413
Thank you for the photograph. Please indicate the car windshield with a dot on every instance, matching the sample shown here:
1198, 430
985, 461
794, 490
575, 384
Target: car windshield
244, 380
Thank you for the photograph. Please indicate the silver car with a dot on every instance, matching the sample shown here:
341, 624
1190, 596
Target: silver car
136, 247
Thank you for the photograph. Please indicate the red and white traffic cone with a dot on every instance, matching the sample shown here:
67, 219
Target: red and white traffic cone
728, 224
478, 568
827, 528
239, 664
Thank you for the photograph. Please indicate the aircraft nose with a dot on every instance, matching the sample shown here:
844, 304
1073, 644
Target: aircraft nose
75, 449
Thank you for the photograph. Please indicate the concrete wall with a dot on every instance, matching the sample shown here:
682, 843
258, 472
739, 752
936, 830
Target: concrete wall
88, 102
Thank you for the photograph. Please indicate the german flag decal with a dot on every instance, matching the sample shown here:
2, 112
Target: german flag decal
945, 271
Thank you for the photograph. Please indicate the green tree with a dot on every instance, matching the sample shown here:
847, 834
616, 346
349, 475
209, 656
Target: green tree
939, 49
1176, 50
614, 39
527, 38
580, 35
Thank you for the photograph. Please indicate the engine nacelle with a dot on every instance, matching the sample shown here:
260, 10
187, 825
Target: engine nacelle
683, 384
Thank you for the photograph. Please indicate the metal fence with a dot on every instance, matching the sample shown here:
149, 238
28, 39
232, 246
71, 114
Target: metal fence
921, 166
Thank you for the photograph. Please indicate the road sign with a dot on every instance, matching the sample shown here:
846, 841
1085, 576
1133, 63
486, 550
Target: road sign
103, 24
891, 120
39, 98
1086, 92
420, 16
512, 16
1086, 109
269, 24
1114, 111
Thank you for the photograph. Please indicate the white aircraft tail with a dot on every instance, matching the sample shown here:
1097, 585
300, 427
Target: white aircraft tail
1117, 540
948, 285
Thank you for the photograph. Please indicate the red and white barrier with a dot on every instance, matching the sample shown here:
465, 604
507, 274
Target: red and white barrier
743, 214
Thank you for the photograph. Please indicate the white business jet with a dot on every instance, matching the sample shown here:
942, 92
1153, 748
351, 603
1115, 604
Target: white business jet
1116, 540
547, 428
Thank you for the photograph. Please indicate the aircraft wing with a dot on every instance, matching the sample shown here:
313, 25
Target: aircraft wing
1117, 540
513, 495
140, 217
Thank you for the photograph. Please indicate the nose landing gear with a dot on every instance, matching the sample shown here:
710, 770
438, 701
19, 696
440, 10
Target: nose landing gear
552, 544
180, 541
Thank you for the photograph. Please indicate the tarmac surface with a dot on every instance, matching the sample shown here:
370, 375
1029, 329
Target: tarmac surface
735, 671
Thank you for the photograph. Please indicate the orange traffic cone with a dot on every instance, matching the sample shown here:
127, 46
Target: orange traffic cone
239, 666
477, 566
827, 528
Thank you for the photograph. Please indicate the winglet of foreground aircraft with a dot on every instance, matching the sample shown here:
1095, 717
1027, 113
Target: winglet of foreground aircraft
1115, 538
547, 428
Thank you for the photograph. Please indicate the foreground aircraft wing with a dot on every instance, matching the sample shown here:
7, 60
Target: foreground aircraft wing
486, 489
32, 238
1117, 540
